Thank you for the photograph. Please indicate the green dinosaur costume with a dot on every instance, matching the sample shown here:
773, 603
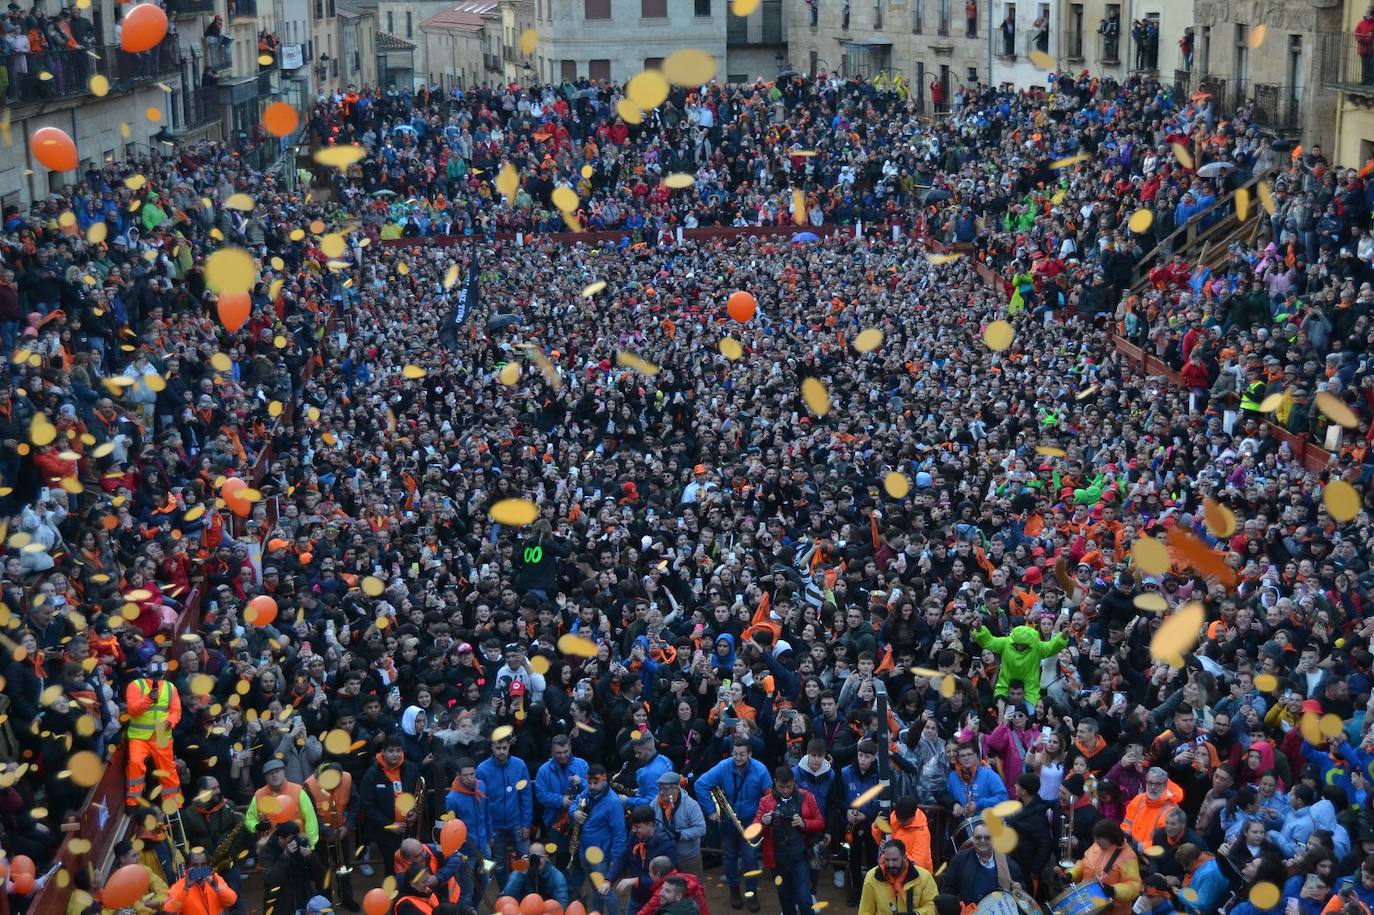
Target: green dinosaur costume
1020, 663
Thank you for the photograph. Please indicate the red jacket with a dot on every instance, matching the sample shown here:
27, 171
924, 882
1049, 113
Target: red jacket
812, 821
694, 893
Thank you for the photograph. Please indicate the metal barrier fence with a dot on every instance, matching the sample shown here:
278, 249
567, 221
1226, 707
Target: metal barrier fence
40, 76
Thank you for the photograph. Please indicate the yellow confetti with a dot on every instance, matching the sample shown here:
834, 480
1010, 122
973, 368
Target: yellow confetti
339, 156
1140, 221
564, 198
239, 202
99, 86
896, 484
629, 112
730, 348
514, 512
1256, 37
372, 586
631, 361
679, 180
867, 796
689, 67
230, 270
647, 89
1184, 157
1220, 520
1271, 402
1266, 683
1341, 499
1151, 602
577, 646
938, 259
413, 372
1150, 556
592, 289
529, 40
998, 336
1043, 60
510, 374
1336, 410
1178, 634
508, 181
868, 340
451, 276
1264, 895
816, 397
1070, 161
1266, 197
1242, 204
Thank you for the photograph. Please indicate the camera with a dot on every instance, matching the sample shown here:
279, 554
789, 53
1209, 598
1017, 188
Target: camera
198, 874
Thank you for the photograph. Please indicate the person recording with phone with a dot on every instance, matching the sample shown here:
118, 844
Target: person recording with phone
292, 873
201, 891
541, 876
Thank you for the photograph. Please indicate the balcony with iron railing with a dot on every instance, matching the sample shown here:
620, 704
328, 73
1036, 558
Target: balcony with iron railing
1071, 45
243, 9
190, 7
200, 107
1344, 68
1274, 108
219, 54
35, 78
1108, 49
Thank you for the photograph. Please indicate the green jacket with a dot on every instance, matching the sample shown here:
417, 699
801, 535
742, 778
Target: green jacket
1020, 663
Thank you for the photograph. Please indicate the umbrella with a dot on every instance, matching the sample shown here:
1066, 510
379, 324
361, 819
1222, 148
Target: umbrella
935, 195
403, 128
501, 322
1216, 169
384, 192
804, 237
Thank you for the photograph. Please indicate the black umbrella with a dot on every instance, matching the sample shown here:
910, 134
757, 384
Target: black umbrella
935, 195
501, 322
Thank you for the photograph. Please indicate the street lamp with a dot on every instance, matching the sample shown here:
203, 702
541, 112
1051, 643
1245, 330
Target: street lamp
322, 69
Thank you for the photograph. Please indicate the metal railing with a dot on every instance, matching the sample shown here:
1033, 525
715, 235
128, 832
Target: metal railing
46, 75
1071, 45
1183, 83
190, 7
1108, 49
200, 106
1343, 67
243, 9
1275, 107
218, 54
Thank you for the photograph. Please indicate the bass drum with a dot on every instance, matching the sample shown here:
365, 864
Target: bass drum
1000, 903
1082, 899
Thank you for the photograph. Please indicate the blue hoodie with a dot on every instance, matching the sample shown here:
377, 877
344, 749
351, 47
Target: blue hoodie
743, 790
471, 808
604, 828
646, 781
727, 662
508, 807
551, 785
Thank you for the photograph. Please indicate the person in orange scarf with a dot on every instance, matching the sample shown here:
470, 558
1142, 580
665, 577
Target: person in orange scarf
1146, 811
1111, 862
389, 777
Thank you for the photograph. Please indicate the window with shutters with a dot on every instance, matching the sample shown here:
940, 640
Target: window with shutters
599, 70
653, 9
596, 9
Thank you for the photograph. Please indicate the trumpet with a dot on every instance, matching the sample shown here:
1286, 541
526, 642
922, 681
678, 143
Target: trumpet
718, 796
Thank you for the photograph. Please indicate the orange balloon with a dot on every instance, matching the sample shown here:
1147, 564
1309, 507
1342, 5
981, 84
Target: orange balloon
452, 837
575, 908
741, 306
144, 26
23, 864
505, 901
280, 119
54, 148
376, 902
304, 558
533, 904
553, 907
263, 610
287, 806
229, 492
23, 884
125, 886
234, 309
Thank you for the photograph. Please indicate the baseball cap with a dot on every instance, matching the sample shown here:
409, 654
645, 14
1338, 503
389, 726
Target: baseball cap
517, 688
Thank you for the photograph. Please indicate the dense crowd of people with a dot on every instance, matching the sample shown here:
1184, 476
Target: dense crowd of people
734, 611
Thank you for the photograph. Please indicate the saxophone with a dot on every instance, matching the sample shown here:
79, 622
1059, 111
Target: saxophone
223, 858
718, 796
575, 834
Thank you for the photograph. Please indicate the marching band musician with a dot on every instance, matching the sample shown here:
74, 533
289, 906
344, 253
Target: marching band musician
467, 800
601, 814
897, 884
390, 776
210, 821
679, 816
1111, 862
274, 771
446, 869
743, 780
331, 791
979, 870
556, 785
201, 891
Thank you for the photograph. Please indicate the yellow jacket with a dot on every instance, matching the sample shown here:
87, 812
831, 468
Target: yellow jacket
914, 892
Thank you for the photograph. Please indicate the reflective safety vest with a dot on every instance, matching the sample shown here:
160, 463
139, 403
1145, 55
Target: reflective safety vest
144, 725
400, 863
330, 806
419, 904
1253, 396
